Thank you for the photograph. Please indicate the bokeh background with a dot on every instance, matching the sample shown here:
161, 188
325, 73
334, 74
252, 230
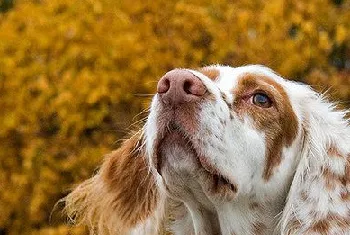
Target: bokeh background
74, 74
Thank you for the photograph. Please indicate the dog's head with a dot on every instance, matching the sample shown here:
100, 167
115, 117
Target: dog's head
224, 132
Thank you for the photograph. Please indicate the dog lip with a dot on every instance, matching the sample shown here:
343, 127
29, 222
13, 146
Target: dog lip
218, 178
206, 165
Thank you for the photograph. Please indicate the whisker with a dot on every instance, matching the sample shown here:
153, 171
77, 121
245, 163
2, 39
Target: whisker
154, 81
145, 110
136, 123
144, 95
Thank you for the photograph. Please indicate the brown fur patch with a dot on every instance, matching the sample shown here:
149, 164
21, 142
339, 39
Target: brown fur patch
334, 152
210, 72
346, 179
321, 227
332, 179
340, 221
259, 228
279, 122
331, 221
121, 195
254, 206
125, 172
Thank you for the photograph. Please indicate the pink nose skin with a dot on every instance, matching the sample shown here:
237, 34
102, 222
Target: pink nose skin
180, 86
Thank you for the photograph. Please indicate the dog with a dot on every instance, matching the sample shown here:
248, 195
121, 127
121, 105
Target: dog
225, 151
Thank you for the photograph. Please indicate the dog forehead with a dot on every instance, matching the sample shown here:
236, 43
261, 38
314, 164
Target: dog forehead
229, 76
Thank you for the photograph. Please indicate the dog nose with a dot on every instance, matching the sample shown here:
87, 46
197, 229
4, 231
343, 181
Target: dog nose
180, 86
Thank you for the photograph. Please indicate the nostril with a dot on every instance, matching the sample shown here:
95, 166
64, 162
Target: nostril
194, 86
187, 87
163, 85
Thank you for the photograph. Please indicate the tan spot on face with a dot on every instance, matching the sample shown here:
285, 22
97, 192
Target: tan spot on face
278, 122
210, 72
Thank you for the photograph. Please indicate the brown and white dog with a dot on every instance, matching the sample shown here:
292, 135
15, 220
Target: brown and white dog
225, 151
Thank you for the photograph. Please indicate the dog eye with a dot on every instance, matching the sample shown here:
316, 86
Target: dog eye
262, 100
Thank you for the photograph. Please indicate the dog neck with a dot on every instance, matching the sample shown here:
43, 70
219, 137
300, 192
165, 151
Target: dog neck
242, 216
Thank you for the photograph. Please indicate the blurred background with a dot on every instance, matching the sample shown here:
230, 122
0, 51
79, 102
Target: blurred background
75, 74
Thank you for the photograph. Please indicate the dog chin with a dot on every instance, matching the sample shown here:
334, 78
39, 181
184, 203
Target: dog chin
180, 165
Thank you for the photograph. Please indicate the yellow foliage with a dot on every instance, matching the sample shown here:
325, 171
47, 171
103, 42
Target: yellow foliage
72, 75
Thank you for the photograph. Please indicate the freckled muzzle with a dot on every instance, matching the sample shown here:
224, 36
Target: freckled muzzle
181, 95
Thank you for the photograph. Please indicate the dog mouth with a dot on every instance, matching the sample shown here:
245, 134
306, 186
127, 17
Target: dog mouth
219, 182
211, 178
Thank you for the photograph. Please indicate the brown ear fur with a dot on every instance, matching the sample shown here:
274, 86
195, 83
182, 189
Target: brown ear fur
121, 196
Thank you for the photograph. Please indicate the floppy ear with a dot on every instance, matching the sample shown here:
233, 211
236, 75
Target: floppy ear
319, 197
122, 198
